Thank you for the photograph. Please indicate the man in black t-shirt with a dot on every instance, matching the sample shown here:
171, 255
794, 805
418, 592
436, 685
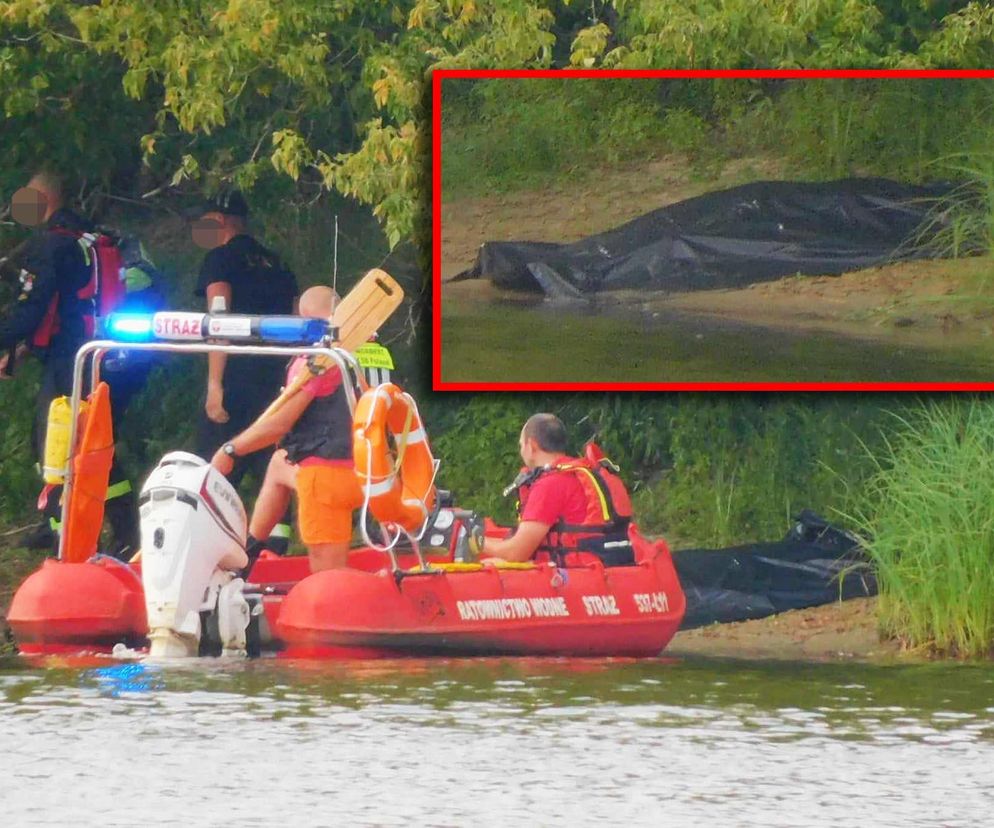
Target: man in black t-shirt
252, 280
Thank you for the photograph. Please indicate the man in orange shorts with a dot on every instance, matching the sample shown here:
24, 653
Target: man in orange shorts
314, 427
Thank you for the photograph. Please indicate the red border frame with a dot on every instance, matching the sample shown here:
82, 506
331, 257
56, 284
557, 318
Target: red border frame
440, 75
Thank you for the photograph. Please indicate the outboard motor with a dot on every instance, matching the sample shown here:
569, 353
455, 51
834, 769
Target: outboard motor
193, 531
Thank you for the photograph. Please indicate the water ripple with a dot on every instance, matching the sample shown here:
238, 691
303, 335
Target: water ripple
506, 742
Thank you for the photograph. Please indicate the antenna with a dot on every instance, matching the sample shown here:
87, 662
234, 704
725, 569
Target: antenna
334, 271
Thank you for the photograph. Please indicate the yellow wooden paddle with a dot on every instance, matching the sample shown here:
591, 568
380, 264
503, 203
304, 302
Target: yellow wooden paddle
365, 308
356, 318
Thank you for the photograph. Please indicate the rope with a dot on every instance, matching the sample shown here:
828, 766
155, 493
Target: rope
402, 442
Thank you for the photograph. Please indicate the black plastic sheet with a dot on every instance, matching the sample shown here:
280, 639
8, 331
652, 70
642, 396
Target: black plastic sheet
753, 233
814, 564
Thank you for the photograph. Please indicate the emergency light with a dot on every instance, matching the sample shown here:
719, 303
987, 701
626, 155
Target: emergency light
128, 327
197, 327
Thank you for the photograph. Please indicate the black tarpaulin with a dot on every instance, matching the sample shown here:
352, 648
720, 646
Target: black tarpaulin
814, 564
753, 233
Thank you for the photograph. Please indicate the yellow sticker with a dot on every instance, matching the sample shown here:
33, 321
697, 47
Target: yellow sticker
374, 355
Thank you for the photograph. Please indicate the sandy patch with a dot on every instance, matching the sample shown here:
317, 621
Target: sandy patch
843, 630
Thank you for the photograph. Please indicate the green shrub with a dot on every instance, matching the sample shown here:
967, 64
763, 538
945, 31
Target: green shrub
929, 527
513, 133
19, 481
743, 466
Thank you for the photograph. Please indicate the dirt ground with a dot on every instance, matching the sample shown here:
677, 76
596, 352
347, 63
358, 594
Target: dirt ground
843, 630
929, 304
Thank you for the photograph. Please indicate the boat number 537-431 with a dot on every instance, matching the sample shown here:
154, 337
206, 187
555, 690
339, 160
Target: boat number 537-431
651, 602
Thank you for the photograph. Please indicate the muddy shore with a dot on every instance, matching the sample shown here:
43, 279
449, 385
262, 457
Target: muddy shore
845, 630
938, 306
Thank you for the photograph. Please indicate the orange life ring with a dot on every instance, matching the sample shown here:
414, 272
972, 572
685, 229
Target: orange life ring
399, 485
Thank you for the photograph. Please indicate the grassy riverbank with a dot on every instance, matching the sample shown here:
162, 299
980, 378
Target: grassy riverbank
16, 563
929, 523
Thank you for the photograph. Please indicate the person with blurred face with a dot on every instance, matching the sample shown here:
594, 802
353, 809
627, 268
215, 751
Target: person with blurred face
250, 279
51, 320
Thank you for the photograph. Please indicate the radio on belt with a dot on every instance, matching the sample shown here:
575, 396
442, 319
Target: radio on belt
196, 327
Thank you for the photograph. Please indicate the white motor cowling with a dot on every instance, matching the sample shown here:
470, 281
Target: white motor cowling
193, 531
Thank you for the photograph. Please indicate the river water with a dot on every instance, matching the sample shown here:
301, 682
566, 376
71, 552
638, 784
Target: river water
514, 342
497, 742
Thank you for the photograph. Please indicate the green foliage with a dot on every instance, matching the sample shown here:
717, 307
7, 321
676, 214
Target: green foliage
710, 470
929, 527
743, 466
734, 33
510, 133
909, 130
333, 95
505, 134
19, 481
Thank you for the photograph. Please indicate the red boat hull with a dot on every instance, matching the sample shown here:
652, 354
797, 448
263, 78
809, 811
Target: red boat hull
580, 611
367, 611
70, 607
89, 607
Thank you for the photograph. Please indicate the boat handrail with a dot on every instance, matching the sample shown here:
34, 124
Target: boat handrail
98, 348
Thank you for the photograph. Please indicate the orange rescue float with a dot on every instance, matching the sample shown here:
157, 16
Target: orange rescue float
91, 474
399, 484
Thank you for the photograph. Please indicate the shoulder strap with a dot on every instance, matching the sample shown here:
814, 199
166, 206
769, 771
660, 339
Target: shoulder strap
608, 511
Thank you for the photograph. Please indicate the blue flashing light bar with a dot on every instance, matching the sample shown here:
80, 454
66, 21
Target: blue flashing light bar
128, 327
191, 326
292, 329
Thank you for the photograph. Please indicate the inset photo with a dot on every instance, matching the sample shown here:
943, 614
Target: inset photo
668, 231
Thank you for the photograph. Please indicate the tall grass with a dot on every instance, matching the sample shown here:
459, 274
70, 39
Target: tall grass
962, 222
930, 528
506, 134
502, 135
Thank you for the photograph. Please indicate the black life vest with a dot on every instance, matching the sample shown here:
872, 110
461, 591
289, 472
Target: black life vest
324, 429
604, 528
119, 278
102, 292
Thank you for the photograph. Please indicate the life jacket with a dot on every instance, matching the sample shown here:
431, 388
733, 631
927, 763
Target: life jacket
324, 429
118, 274
603, 531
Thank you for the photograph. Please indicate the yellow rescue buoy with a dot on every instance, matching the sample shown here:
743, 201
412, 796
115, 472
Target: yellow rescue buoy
57, 439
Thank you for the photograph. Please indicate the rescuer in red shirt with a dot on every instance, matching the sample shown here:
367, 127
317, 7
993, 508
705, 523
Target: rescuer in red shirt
566, 504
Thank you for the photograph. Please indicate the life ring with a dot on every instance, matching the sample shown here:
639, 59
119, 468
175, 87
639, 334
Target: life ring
398, 485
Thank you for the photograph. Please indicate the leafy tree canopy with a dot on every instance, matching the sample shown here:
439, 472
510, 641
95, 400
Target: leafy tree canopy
141, 97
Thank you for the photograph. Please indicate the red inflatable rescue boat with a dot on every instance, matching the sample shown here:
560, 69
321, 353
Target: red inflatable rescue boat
473, 609
373, 610
390, 601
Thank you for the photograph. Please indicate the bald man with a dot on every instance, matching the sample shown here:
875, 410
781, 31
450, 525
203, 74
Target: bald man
314, 428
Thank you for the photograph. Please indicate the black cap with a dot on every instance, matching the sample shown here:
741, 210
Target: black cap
228, 203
